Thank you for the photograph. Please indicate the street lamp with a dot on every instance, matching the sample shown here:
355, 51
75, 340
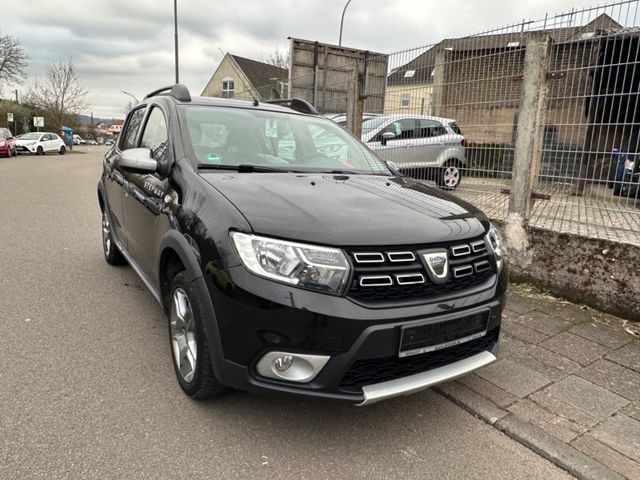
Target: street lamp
175, 35
342, 22
132, 96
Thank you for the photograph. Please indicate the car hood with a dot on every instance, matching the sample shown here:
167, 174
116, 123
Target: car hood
348, 210
19, 141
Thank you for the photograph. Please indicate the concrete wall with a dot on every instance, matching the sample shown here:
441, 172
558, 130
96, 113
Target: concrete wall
602, 274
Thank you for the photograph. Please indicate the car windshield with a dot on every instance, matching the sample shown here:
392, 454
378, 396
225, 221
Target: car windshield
374, 123
30, 136
277, 140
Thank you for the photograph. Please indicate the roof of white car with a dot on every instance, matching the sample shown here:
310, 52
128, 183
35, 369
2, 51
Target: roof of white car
398, 116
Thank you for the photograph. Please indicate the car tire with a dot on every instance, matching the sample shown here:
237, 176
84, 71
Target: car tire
62, 150
449, 175
112, 255
188, 341
40, 151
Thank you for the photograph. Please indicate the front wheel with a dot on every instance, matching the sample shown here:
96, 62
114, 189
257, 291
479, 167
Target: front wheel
189, 346
449, 175
62, 150
111, 253
39, 151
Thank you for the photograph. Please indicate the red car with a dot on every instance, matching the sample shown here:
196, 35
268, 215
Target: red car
7, 144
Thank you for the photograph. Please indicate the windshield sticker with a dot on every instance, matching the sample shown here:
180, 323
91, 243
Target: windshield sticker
214, 158
271, 129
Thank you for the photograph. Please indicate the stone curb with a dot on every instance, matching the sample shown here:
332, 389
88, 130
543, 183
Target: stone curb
529, 435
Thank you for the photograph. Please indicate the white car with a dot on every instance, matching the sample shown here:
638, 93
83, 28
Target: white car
421, 145
78, 140
40, 143
341, 118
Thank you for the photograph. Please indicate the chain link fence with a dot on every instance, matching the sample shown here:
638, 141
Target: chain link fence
540, 117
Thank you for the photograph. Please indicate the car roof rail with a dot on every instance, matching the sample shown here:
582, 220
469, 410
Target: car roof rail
178, 91
297, 104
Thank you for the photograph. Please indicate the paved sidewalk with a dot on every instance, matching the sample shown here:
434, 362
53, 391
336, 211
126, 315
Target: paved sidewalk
566, 384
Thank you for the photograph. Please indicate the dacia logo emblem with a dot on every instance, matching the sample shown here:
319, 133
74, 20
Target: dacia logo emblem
437, 263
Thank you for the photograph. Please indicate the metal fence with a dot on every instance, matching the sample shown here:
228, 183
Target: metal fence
540, 117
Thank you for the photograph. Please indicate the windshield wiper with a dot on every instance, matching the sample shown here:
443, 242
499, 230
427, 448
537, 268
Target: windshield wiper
243, 168
346, 172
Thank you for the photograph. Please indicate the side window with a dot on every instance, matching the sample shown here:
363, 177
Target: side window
48, 136
131, 130
404, 128
155, 136
430, 128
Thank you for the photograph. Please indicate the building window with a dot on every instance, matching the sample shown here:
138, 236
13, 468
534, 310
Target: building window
404, 101
227, 88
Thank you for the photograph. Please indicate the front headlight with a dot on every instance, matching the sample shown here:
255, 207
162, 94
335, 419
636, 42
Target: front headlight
307, 266
495, 240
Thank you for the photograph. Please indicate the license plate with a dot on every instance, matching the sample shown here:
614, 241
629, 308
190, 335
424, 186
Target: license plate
428, 337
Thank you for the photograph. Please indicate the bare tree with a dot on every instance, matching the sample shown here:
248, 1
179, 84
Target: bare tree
13, 60
60, 93
277, 59
128, 107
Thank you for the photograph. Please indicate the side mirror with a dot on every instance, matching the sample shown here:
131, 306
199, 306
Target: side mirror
138, 160
386, 136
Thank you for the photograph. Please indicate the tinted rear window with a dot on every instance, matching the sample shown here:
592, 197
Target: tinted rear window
454, 126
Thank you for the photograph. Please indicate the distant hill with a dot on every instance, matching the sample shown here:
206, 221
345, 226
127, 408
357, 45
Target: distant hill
86, 120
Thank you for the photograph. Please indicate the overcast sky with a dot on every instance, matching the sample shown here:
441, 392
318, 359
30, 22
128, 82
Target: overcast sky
128, 44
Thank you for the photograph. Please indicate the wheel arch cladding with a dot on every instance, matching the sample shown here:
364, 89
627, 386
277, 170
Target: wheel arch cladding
176, 252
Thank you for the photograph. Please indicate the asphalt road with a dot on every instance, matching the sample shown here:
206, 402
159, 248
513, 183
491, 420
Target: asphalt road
87, 388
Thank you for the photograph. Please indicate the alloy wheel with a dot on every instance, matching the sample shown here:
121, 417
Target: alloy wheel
451, 176
183, 335
106, 233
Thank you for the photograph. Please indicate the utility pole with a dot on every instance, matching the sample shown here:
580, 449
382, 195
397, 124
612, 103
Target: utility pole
175, 35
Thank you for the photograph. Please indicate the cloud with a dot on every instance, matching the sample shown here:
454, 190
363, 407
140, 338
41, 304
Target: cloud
128, 44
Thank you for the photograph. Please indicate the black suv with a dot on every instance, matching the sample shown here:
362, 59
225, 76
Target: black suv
289, 258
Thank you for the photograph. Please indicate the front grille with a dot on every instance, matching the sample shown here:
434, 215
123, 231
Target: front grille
376, 370
398, 274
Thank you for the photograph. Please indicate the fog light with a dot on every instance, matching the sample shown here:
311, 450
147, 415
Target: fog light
294, 367
283, 363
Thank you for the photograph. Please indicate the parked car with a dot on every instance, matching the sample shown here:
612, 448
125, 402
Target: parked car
7, 143
40, 143
92, 142
424, 146
341, 118
78, 140
294, 272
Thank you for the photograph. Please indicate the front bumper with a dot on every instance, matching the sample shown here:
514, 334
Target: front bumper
26, 149
256, 316
419, 381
